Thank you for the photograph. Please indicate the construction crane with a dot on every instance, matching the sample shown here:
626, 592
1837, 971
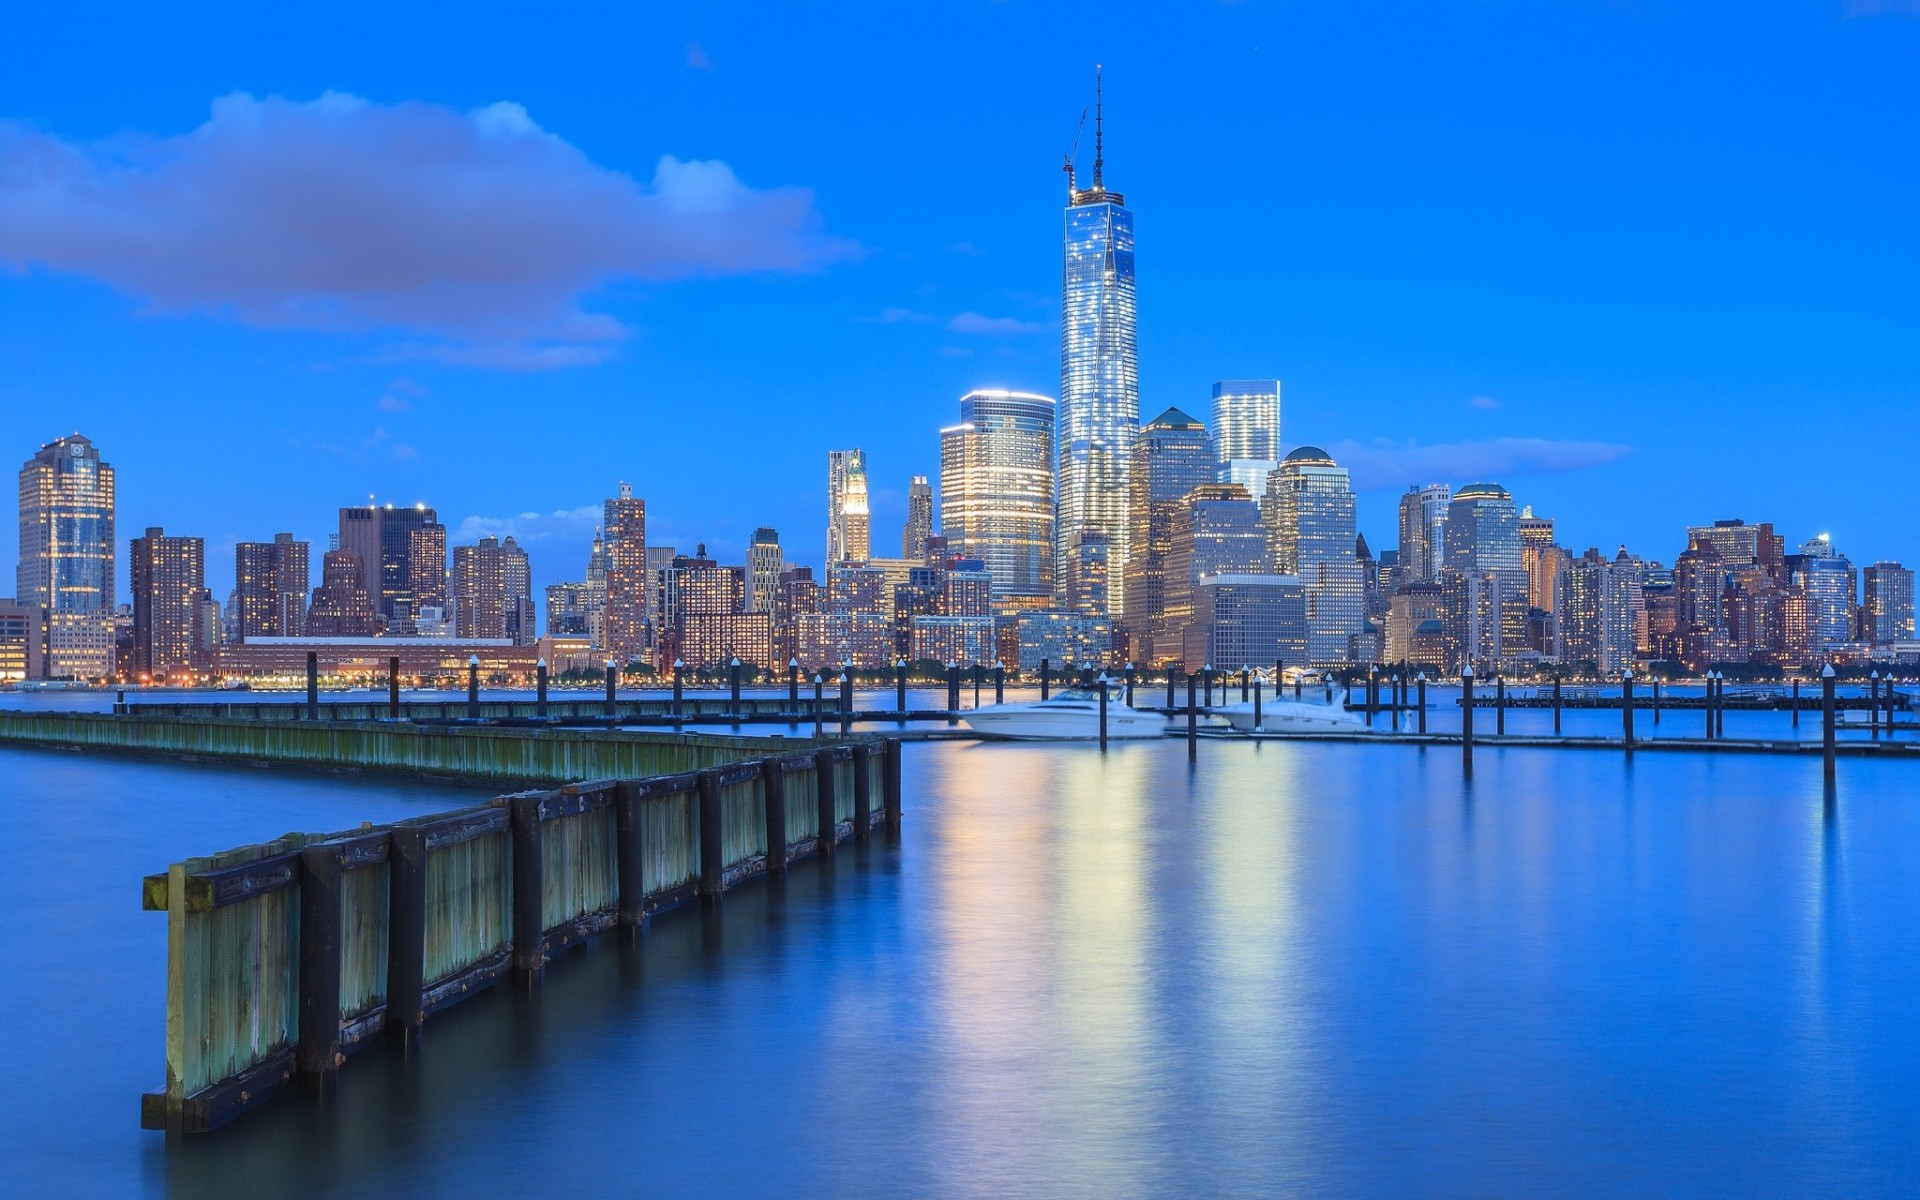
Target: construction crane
1072, 150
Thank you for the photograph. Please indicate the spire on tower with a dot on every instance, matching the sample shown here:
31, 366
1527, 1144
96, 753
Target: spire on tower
1098, 145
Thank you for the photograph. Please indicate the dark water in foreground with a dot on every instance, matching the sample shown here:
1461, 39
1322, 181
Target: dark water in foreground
1319, 970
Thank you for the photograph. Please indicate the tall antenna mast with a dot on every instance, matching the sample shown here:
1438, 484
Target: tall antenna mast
1098, 133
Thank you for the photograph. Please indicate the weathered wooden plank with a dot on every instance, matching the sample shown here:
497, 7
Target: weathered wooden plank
464, 827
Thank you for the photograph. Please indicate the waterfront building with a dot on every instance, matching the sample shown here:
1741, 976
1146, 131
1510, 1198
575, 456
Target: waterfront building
1830, 585
797, 595
852, 588
23, 640
1217, 531
66, 564
964, 640
919, 527
169, 580
1099, 409
966, 589
382, 535
427, 569
1247, 621
629, 610
1172, 456
1888, 604
270, 588
424, 661
1423, 531
1246, 432
705, 641
1603, 604
342, 605
1062, 638
996, 489
1483, 544
827, 641
764, 564
848, 516
1312, 534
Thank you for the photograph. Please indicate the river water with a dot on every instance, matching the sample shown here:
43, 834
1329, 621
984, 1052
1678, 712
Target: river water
1323, 970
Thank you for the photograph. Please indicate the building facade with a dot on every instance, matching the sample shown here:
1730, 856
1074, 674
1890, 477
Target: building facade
1423, 531
169, 580
919, 527
764, 564
849, 519
629, 581
383, 538
996, 489
270, 586
1172, 456
1313, 535
66, 565
1246, 431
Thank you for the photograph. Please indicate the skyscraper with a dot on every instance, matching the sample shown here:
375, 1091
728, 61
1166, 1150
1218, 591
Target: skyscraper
270, 588
1483, 546
764, 564
1312, 534
1172, 456
1216, 531
342, 606
1246, 431
1888, 603
996, 487
169, 578
490, 581
1099, 410
624, 620
427, 567
383, 538
1423, 528
66, 555
849, 526
913, 539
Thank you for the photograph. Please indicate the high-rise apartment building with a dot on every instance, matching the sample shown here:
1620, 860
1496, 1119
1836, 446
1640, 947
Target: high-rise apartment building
629, 582
1246, 431
1483, 545
1244, 622
66, 556
764, 564
270, 588
849, 520
383, 538
492, 591
1312, 534
1172, 456
1600, 612
427, 568
1888, 603
169, 579
1423, 530
996, 489
1829, 582
1099, 409
919, 527
342, 605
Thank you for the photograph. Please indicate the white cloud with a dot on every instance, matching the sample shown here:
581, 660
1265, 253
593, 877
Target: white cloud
1382, 464
973, 322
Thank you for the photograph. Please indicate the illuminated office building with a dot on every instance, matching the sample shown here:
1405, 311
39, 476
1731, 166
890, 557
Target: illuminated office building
427, 568
493, 592
1423, 528
1172, 456
1246, 431
1888, 604
1245, 622
996, 489
1312, 534
764, 564
342, 606
66, 555
848, 517
1483, 545
919, 527
270, 588
629, 577
1061, 639
567, 610
1088, 585
23, 639
1099, 409
1828, 580
1216, 531
383, 538
169, 579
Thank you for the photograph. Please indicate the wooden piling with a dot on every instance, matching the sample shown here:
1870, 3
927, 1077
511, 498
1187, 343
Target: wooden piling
818, 717
793, 684
1826, 720
529, 887
1500, 705
1171, 700
1245, 675
999, 683
862, 791
1423, 701
1556, 706
1466, 720
1256, 706
890, 793
629, 854
473, 687
1193, 721
318, 1056
1130, 678
846, 703
733, 690
773, 783
1656, 700
406, 934
713, 862
393, 688
900, 686
679, 683
540, 689
1707, 706
824, 801
1796, 704
1046, 668
1103, 714
313, 685
1626, 710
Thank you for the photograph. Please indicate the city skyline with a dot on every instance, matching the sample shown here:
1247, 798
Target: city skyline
363, 413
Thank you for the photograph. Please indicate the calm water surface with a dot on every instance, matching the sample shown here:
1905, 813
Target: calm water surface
1312, 970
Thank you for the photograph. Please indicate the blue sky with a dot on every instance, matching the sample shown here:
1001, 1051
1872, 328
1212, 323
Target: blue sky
1646, 263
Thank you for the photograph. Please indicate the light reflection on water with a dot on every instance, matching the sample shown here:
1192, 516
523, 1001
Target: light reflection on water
1297, 969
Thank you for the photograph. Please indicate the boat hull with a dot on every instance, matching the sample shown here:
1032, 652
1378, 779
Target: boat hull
1039, 723
1293, 716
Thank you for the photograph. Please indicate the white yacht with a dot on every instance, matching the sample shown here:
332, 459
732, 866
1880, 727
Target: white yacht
1073, 713
1294, 716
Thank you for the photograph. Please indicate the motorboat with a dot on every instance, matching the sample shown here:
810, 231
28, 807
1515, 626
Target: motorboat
1071, 714
1281, 715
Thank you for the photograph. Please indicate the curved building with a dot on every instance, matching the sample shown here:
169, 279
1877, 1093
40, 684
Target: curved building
1312, 533
996, 489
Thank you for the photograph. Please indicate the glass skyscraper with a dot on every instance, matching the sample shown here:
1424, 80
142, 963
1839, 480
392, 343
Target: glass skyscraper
1312, 533
1172, 456
1483, 548
1246, 431
996, 489
66, 556
1099, 373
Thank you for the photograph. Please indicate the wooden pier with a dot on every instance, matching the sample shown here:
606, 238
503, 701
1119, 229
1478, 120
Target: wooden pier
286, 957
